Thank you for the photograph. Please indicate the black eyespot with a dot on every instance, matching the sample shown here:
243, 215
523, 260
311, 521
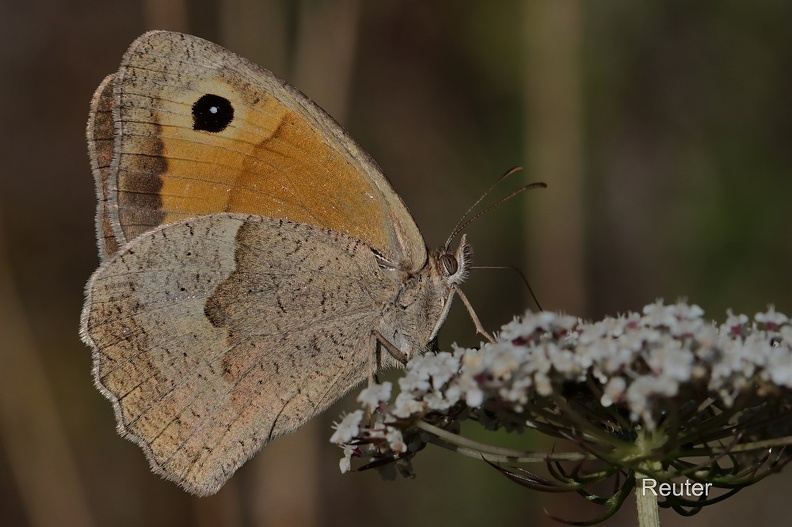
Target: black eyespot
212, 113
450, 264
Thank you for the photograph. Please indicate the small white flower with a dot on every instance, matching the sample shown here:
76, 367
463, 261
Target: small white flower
526, 327
684, 311
641, 392
504, 359
414, 379
406, 406
348, 428
659, 315
786, 336
436, 400
707, 337
375, 394
567, 323
537, 360
591, 333
472, 362
563, 360
780, 365
771, 317
345, 464
470, 390
445, 367
614, 391
672, 361
395, 440
615, 357
544, 386
734, 322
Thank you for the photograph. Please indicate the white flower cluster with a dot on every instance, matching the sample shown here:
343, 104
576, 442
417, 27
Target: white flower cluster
635, 363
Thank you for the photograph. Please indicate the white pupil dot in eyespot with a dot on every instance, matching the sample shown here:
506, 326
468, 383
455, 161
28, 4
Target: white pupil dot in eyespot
213, 109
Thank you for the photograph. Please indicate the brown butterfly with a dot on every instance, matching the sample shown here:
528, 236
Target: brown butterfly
254, 258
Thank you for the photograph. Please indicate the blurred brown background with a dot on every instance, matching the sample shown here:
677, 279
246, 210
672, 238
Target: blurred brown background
662, 129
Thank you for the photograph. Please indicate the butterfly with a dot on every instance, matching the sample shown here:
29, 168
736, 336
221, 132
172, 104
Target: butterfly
254, 259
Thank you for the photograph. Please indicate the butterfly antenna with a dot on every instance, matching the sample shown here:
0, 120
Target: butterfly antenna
463, 223
519, 272
458, 228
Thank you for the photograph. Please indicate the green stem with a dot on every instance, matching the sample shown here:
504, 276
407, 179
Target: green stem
646, 501
495, 454
648, 512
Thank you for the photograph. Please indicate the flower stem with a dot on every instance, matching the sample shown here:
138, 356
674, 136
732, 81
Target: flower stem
648, 513
646, 501
494, 454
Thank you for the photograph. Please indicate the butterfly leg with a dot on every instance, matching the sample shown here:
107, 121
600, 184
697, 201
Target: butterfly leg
374, 365
391, 348
479, 327
380, 342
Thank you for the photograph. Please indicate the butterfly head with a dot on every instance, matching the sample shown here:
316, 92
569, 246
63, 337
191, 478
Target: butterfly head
448, 270
452, 266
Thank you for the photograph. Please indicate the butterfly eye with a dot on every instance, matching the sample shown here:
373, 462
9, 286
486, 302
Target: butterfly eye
212, 113
450, 264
